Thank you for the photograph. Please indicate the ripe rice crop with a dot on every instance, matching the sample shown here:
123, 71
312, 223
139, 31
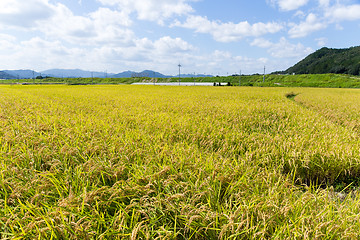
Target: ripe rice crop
155, 162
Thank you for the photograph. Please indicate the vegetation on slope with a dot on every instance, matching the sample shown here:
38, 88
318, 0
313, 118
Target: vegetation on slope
146, 162
327, 60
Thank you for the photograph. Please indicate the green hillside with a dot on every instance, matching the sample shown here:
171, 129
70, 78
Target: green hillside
328, 60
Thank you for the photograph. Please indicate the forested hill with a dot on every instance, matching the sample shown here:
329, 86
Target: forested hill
328, 60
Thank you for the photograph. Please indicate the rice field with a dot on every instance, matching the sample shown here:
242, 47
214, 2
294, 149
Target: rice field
163, 162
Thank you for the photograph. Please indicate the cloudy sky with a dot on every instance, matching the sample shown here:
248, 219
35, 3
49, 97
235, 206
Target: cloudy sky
205, 36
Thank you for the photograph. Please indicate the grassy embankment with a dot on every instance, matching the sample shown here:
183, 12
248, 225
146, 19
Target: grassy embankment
306, 80
141, 162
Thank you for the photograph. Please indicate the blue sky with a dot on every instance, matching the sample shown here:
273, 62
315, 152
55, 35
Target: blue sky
205, 36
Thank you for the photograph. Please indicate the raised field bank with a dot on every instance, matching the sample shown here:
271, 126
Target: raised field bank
147, 162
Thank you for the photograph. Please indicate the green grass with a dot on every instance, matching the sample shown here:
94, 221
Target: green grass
147, 162
271, 80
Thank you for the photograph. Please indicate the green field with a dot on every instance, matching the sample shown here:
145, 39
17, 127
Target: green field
153, 162
271, 80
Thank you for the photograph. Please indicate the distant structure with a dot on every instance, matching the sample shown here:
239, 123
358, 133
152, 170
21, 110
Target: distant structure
264, 75
240, 79
179, 71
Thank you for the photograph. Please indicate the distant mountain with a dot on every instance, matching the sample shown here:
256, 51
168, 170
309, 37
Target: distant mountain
146, 73
74, 73
22, 73
153, 74
4, 75
78, 73
126, 74
328, 60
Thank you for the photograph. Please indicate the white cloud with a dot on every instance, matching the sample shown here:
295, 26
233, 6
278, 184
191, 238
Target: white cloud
57, 21
328, 12
164, 48
98, 40
144, 50
284, 53
213, 63
41, 54
23, 14
162, 55
228, 32
7, 43
324, 3
283, 49
106, 38
7, 37
339, 27
311, 24
172, 45
218, 55
106, 16
321, 41
38, 53
288, 5
64, 24
40, 47
300, 14
260, 42
153, 10
343, 13
102, 26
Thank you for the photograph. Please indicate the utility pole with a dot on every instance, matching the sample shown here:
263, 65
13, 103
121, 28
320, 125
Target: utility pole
92, 78
240, 79
264, 75
179, 72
